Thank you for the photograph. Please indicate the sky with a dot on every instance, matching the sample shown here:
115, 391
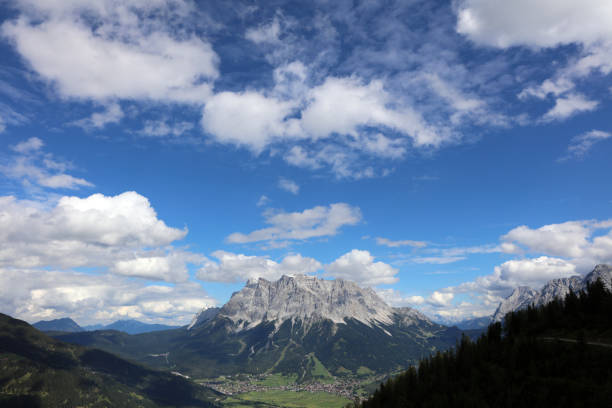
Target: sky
157, 154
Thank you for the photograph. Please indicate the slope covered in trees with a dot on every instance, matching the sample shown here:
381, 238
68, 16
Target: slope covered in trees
38, 371
557, 355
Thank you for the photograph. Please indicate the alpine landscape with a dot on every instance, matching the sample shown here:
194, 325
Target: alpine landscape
324, 204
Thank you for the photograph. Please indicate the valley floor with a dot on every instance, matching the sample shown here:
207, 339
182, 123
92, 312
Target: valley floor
276, 390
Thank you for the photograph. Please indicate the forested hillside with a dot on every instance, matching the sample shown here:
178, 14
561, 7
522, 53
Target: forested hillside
556, 355
38, 371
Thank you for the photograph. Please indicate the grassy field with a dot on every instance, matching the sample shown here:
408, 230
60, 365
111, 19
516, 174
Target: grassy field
286, 399
275, 380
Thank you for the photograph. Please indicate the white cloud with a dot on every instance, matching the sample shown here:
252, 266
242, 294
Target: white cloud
47, 294
27, 146
534, 272
397, 299
171, 267
112, 114
569, 105
568, 239
247, 119
288, 185
547, 24
162, 128
343, 105
381, 146
561, 250
542, 23
33, 167
582, 144
405, 242
311, 223
266, 33
232, 267
120, 232
123, 56
437, 259
263, 201
440, 298
359, 266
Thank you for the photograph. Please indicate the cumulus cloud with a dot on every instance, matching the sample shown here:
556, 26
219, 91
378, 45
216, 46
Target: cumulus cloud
249, 119
315, 222
288, 185
342, 105
544, 23
359, 266
396, 298
549, 252
88, 298
547, 24
568, 239
127, 54
582, 144
119, 232
34, 167
232, 267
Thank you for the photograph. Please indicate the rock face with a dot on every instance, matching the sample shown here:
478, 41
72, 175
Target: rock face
524, 296
307, 299
519, 299
205, 315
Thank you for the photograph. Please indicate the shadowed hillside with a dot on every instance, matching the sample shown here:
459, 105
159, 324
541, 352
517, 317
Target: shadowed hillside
556, 355
38, 371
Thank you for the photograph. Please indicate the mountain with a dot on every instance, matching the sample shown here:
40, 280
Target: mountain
203, 316
39, 371
291, 326
554, 355
519, 299
131, 327
63, 325
524, 296
475, 323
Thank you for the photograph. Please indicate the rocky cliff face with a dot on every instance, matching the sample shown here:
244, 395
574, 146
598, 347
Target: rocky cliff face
306, 298
524, 296
519, 299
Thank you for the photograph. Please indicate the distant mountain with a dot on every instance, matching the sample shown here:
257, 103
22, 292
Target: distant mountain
291, 325
475, 323
524, 296
38, 371
131, 327
64, 325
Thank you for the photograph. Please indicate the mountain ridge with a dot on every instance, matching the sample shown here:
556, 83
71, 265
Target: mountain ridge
523, 296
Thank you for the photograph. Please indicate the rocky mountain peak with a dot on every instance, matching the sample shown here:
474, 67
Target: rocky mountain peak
524, 296
520, 298
306, 298
603, 272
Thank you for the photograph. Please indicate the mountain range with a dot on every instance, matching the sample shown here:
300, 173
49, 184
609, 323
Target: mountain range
523, 296
131, 326
289, 326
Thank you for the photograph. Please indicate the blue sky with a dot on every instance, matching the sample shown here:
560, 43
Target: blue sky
154, 155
